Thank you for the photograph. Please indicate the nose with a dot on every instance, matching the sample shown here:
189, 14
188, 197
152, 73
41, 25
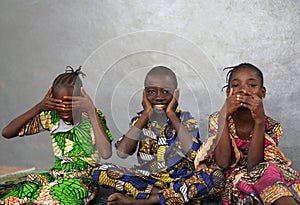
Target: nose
242, 89
159, 95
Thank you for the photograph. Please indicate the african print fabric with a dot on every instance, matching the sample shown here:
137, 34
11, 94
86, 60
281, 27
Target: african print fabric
161, 163
69, 180
266, 182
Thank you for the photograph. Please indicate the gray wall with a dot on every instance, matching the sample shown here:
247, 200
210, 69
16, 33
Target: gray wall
117, 42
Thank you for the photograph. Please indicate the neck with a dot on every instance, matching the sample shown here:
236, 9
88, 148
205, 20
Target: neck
160, 118
76, 118
244, 123
243, 116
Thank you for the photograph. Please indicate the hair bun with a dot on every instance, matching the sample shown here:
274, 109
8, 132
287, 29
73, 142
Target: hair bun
70, 69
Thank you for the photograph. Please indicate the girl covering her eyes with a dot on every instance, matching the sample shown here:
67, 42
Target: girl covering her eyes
79, 138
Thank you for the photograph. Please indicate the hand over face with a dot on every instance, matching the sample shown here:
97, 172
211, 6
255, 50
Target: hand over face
174, 102
50, 103
254, 103
79, 103
231, 104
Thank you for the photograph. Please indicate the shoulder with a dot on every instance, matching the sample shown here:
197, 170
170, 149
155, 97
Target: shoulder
52, 115
49, 120
184, 114
136, 117
213, 117
186, 117
99, 113
271, 124
214, 114
273, 128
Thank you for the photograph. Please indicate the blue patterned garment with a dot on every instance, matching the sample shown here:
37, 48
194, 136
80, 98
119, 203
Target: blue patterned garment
162, 162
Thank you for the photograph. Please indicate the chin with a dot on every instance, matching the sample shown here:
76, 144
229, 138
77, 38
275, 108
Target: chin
160, 108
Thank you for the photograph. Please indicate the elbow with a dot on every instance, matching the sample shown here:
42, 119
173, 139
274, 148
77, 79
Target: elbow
223, 161
6, 134
250, 166
223, 165
107, 154
122, 154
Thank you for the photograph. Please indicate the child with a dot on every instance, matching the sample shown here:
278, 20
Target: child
246, 145
79, 135
166, 140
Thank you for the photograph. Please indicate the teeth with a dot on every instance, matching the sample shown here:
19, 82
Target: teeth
159, 107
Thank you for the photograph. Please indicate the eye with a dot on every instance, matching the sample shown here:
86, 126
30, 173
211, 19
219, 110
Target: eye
252, 85
150, 91
166, 91
234, 85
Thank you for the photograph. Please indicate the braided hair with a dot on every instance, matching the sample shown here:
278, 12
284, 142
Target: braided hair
70, 78
233, 69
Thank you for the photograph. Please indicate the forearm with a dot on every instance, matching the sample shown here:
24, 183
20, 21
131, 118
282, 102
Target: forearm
128, 143
185, 137
223, 148
14, 127
102, 141
256, 149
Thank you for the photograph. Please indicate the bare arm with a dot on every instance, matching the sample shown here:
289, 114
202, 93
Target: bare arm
185, 137
48, 103
223, 148
129, 141
256, 149
102, 141
85, 103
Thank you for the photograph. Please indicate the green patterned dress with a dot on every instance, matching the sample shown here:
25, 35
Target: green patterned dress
69, 180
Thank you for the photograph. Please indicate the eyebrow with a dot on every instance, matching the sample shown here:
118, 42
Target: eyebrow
248, 79
148, 87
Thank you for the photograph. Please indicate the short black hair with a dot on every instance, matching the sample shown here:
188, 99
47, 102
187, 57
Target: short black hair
233, 69
69, 78
162, 70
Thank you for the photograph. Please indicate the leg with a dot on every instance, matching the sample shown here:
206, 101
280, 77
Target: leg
286, 200
194, 202
122, 199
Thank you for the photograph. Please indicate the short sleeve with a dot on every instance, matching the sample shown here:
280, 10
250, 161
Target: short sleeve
46, 120
31, 127
273, 129
205, 154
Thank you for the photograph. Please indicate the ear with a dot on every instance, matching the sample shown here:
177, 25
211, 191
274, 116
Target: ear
263, 92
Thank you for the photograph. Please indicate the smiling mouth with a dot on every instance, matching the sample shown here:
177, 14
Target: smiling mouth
160, 106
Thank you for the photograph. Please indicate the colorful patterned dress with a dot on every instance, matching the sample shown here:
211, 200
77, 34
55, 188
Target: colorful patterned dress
161, 163
69, 180
266, 182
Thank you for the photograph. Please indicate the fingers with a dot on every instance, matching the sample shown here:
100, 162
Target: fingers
249, 98
144, 95
54, 104
146, 103
49, 92
230, 92
176, 94
174, 100
84, 94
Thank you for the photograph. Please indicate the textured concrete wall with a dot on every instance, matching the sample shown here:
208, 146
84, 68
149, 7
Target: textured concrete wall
118, 41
